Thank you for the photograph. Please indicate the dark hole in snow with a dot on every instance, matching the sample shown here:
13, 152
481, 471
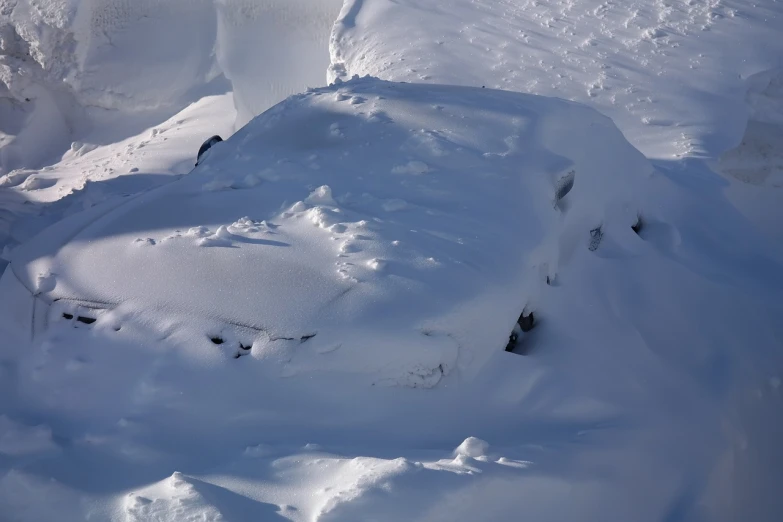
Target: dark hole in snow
596, 235
117, 328
216, 340
85, 320
526, 322
306, 338
245, 347
206, 146
68, 316
637, 227
564, 185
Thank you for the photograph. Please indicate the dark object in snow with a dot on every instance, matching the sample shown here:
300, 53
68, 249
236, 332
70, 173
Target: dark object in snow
216, 340
596, 235
79, 318
564, 185
244, 349
526, 322
637, 227
206, 146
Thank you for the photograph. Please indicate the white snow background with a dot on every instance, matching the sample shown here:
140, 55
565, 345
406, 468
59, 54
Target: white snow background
311, 324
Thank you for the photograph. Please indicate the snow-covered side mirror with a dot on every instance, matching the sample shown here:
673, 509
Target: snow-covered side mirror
206, 146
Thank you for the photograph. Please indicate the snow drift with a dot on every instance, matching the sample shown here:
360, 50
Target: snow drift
665, 72
61, 60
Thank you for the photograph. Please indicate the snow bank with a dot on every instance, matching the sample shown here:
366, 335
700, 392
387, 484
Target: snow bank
270, 49
754, 167
60, 59
671, 75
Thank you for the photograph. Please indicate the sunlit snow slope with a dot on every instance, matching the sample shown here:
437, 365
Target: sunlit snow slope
671, 74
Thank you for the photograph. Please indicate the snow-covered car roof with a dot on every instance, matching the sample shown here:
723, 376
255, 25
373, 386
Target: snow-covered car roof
368, 226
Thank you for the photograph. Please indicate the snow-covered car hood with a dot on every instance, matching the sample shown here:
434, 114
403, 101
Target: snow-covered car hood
423, 217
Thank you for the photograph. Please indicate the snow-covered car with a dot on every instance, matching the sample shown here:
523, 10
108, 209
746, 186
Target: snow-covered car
390, 229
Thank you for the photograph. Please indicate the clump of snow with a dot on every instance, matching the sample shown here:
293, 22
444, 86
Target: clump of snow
412, 167
472, 447
176, 498
321, 196
394, 205
45, 282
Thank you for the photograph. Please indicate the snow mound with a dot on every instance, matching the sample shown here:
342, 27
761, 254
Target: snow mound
472, 447
175, 498
309, 268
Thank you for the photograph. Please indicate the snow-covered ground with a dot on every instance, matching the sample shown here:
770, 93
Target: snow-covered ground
311, 325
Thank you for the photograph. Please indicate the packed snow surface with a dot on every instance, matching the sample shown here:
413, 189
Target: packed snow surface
311, 324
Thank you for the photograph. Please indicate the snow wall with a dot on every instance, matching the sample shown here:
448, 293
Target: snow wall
62, 59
